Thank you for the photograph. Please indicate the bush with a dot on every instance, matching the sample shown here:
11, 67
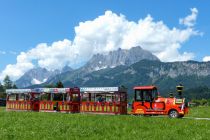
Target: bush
208, 102
3, 95
202, 102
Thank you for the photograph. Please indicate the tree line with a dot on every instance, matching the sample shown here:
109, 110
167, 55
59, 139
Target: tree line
7, 84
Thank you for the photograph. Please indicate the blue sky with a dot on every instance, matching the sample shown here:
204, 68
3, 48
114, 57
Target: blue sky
25, 24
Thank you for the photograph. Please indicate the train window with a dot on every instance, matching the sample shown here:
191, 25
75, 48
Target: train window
100, 98
138, 95
147, 95
123, 97
109, 98
92, 97
21, 97
144, 95
64, 97
117, 99
68, 97
12, 97
27, 97
85, 97
58, 97
45, 96
37, 96
154, 94
75, 97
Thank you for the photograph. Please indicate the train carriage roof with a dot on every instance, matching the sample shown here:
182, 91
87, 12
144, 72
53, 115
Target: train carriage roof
51, 90
102, 89
65, 90
18, 91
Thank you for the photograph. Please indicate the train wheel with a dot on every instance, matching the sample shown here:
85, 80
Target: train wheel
173, 114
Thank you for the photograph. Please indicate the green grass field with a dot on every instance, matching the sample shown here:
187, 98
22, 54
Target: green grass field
203, 112
35, 125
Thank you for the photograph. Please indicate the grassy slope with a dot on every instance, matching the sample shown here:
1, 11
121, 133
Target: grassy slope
33, 125
202, 112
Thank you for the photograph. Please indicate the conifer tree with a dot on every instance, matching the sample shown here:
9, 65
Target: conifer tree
59, 84
7, 82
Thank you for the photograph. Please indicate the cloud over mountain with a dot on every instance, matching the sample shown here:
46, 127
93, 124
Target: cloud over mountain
191, 19
206, 58
106, 33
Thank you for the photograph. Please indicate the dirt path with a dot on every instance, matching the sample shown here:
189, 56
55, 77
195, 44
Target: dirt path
195, 118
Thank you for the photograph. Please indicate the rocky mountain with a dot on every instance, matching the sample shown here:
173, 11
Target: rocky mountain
105, 61
38, 76
135, 67
66, 69
145, 72
97, 62
118, 57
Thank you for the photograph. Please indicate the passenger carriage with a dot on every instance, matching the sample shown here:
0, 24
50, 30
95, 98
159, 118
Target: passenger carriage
44, 99
103, 100
58, 99
20, 99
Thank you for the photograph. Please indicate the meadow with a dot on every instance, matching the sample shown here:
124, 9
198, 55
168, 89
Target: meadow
37, 125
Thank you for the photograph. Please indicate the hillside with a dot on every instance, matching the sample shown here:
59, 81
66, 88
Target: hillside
165, 75
97, 62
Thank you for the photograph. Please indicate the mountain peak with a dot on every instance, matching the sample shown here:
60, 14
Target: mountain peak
66, 69
118, 57
38, 75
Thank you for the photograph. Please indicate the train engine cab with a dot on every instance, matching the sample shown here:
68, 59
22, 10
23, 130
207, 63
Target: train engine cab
148, 102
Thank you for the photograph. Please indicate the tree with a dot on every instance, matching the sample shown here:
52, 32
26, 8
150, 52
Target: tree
7, 82
59, 84
14, 86
1, 88
2, 91
49, 86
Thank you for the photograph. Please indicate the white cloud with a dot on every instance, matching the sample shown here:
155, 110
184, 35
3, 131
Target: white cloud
191, 19
13, 52
206, 58
16, 70
55, 56
101, 35
2, 52
110, 31
51, 57
10, 52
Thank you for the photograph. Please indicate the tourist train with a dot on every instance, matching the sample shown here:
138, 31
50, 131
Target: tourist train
99, 100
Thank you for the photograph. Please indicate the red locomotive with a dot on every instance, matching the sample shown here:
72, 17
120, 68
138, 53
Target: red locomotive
148, 102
